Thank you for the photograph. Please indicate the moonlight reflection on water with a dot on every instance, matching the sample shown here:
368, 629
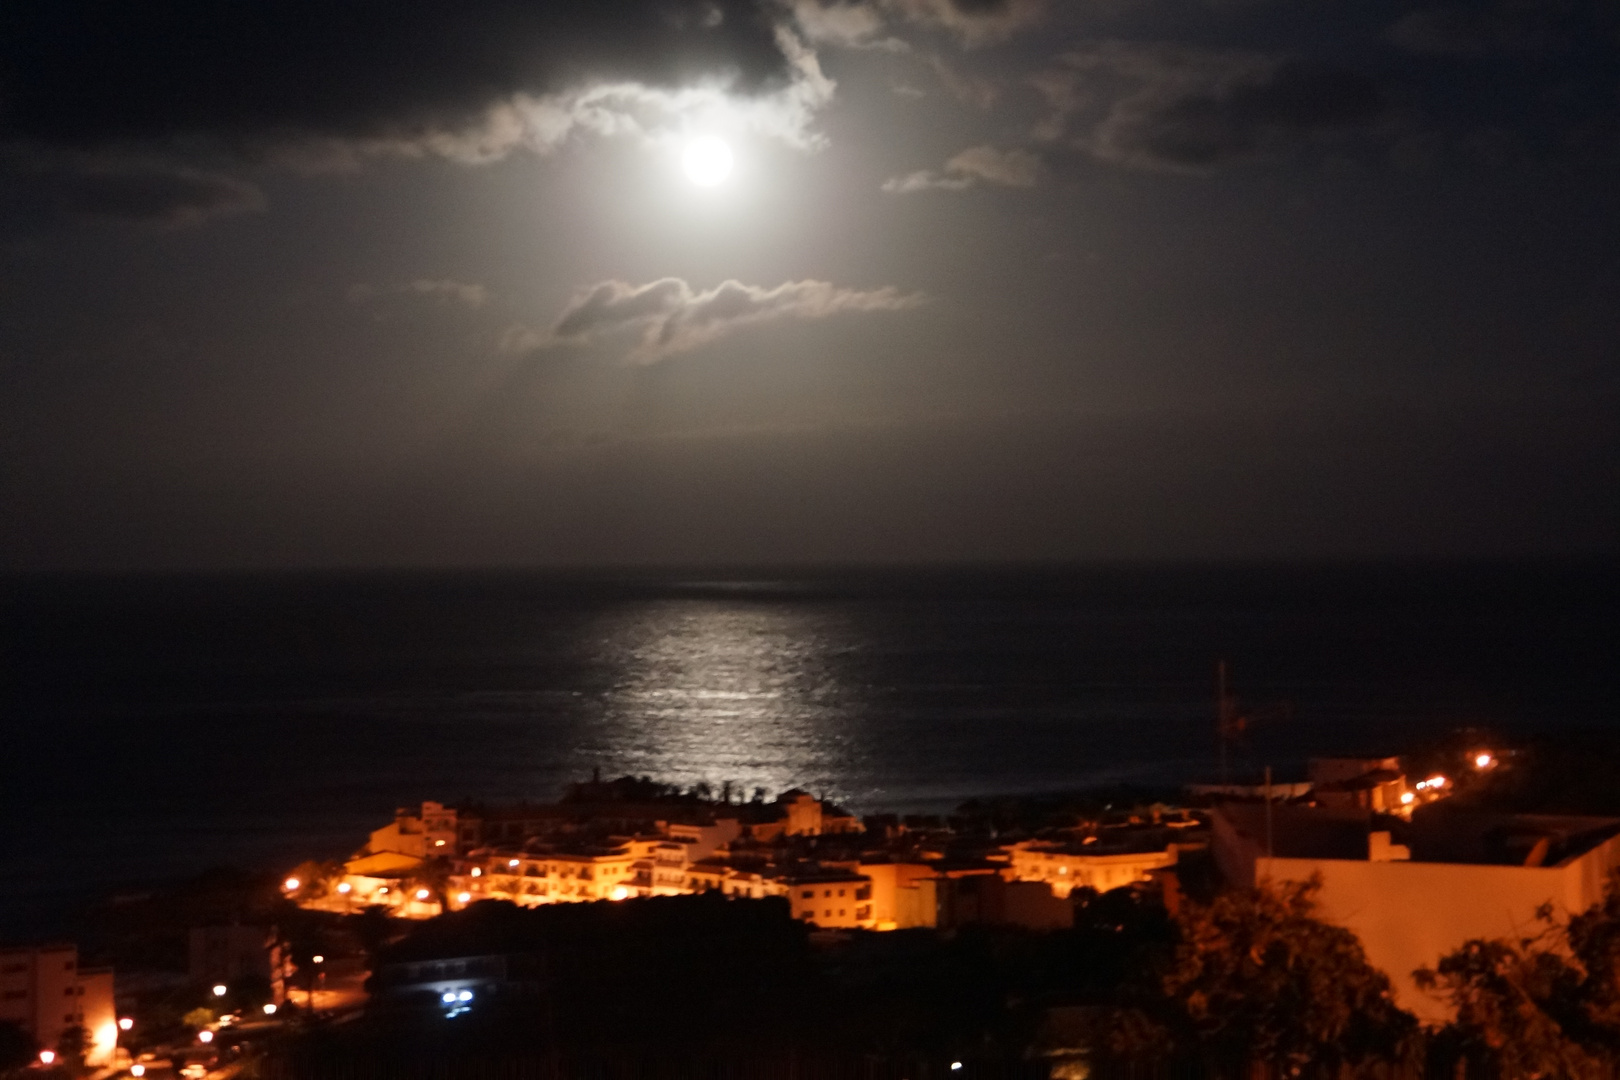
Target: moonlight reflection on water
718, 692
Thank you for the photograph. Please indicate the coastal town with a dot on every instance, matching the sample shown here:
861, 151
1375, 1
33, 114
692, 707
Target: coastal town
442, 912
1411, 876
629, 839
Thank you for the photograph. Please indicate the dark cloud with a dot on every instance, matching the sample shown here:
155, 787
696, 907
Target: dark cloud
154, 195
179, 197
1217, 127
88, 73
972, 167
976, 22
443, 290
860, 22
1176, 107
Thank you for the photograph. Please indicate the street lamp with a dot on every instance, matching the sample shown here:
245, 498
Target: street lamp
219, 989
125, 1023
316, 976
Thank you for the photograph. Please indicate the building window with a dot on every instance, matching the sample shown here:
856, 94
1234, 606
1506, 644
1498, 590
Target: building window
809, 894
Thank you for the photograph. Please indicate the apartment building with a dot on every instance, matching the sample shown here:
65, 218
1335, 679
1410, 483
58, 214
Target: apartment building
1100, 862
44, 991
832, 899
629, 867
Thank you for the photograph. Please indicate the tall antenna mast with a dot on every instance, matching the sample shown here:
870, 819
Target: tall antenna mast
1225, 707
1230, 724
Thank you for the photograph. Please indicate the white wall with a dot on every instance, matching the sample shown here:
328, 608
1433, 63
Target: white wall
1409, 914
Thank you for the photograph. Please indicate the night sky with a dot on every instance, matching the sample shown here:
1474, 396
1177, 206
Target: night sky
427, 282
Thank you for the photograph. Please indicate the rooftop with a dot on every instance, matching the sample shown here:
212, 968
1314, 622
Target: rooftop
1438, 833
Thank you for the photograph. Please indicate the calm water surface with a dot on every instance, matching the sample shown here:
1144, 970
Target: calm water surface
158, 725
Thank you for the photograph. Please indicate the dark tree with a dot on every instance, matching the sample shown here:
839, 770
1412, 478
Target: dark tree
73, 1045
375, 929
17, 1047
1546, 1004
1254, 977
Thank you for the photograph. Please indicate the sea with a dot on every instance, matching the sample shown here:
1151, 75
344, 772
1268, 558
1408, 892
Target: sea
159, 725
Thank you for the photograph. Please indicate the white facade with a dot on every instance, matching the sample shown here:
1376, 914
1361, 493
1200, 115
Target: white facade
1069, 866
45, 992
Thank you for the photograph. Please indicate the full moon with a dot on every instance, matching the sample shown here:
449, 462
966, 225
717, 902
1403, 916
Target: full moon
707, 161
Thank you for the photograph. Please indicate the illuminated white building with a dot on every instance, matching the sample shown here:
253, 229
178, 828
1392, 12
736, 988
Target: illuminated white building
832, 899
1085, 863
44, 991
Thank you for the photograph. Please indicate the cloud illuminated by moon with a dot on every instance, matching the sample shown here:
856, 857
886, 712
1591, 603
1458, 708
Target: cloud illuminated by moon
666, 317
